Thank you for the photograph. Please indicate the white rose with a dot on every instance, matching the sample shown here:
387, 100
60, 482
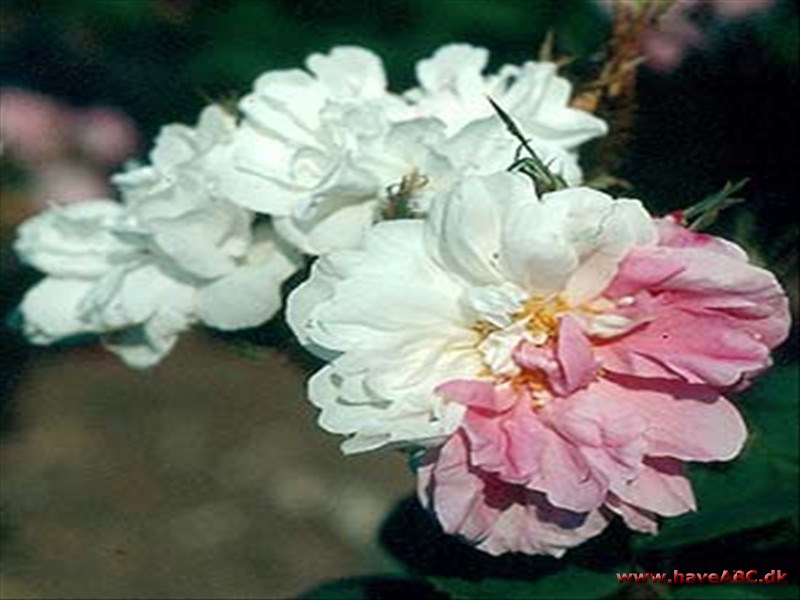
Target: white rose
454, 89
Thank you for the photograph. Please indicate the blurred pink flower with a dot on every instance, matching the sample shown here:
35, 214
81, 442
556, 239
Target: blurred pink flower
33, 127
733, 9
106, 135
598, 420
67, 181
679, 32
66, 153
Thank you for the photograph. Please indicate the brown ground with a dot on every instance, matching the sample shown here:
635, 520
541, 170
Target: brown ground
204, 477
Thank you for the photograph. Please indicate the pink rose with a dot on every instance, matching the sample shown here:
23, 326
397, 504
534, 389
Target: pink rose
679, 33
597, 423
33, 127
107, 136
64, 181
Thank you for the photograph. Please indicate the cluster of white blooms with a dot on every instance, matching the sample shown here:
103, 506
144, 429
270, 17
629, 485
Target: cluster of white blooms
173, 252
318, 149
219, 219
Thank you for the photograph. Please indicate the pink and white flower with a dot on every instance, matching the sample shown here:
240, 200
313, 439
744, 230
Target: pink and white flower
545, 352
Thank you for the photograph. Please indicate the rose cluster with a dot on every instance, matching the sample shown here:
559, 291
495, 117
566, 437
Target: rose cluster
209, 230
549, 358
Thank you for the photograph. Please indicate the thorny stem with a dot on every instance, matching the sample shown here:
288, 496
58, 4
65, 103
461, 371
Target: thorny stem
544, 179
612, 93
704, 213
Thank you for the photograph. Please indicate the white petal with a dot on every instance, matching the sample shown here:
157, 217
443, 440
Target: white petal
286, 105
174, 146
306, 297
128, 297
536, 253
193, 242
247, 297
215, 126
496, 303
602, 231
248, 179
395, 288
73, 240
51, 310
340, 229
456, 66
338, 415
349, 72
482, 147
134, 348
251, 294
539, 99
144, 346
465, 228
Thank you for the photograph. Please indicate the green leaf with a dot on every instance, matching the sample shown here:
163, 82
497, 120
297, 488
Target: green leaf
750, 493
704, 213
571, 582
543, 178
772, 407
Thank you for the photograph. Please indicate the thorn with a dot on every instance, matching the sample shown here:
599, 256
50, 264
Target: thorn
546, 53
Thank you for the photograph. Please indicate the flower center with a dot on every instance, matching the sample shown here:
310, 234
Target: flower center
534, 384
519, 340
534, 321
541, 315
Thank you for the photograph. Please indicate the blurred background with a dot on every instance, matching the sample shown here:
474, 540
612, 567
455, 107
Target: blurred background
207, 476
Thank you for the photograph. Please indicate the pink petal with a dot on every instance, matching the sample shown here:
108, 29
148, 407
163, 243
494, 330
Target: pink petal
598, 417
533, 526
687, 422
672, 234
497, 516
510, 446
643, 269
567, 479
635, 518
457, 493
531, 357
719, 356
569, 367
608, 432
520, 449
477, 394
660, 488
714, 316
575, 355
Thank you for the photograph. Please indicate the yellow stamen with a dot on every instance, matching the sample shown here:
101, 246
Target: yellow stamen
542, 314
532, 381
534, 384
484, 328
